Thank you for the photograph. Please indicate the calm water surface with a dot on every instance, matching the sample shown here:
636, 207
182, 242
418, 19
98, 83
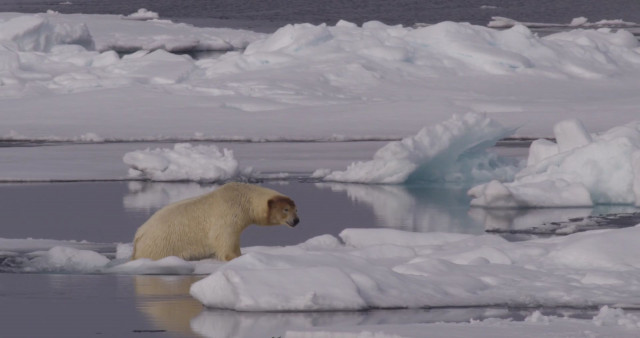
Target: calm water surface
108, 212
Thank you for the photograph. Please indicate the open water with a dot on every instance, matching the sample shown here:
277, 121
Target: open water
270, 14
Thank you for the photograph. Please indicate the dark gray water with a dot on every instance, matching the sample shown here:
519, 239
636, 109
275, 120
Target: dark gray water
275, 13
106, 212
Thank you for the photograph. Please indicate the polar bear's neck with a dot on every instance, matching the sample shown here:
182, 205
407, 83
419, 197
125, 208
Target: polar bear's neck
249, 202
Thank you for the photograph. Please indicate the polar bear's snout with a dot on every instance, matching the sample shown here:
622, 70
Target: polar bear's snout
294, 222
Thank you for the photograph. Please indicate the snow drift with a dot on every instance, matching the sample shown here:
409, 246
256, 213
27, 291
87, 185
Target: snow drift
578, 170
453, 150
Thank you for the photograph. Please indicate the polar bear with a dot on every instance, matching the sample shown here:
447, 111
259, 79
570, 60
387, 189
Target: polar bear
209, 226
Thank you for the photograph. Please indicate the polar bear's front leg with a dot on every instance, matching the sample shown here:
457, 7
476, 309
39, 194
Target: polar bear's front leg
228, 247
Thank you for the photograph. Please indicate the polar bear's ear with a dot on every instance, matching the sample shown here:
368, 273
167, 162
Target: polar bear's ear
271, 202
274, 201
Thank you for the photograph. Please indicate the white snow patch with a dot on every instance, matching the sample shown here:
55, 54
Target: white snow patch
578, 170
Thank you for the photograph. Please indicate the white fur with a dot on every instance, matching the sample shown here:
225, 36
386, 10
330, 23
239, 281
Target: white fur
208, 226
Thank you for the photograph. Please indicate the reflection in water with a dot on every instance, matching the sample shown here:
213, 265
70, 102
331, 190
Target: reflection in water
223, 324
228, 324
418, 208
165, 300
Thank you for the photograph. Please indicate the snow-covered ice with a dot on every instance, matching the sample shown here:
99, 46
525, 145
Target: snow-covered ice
305, 82
390, 268
578, 170
502, 22
140, 30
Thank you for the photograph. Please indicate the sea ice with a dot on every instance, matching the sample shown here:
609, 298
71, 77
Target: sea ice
384, 268
303, 82
579, 170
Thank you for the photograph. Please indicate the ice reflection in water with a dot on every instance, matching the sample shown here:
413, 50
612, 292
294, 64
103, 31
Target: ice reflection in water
330, 207
413, 208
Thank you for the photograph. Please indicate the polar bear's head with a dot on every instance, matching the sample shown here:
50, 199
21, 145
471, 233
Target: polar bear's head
282, 210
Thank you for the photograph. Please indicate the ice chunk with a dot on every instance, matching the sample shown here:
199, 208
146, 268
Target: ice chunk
585, 171
279, 289
165, 266
37, 34
183, 162
578, 21
66, 259
571, 134
143, 14
429, 155
541, 149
